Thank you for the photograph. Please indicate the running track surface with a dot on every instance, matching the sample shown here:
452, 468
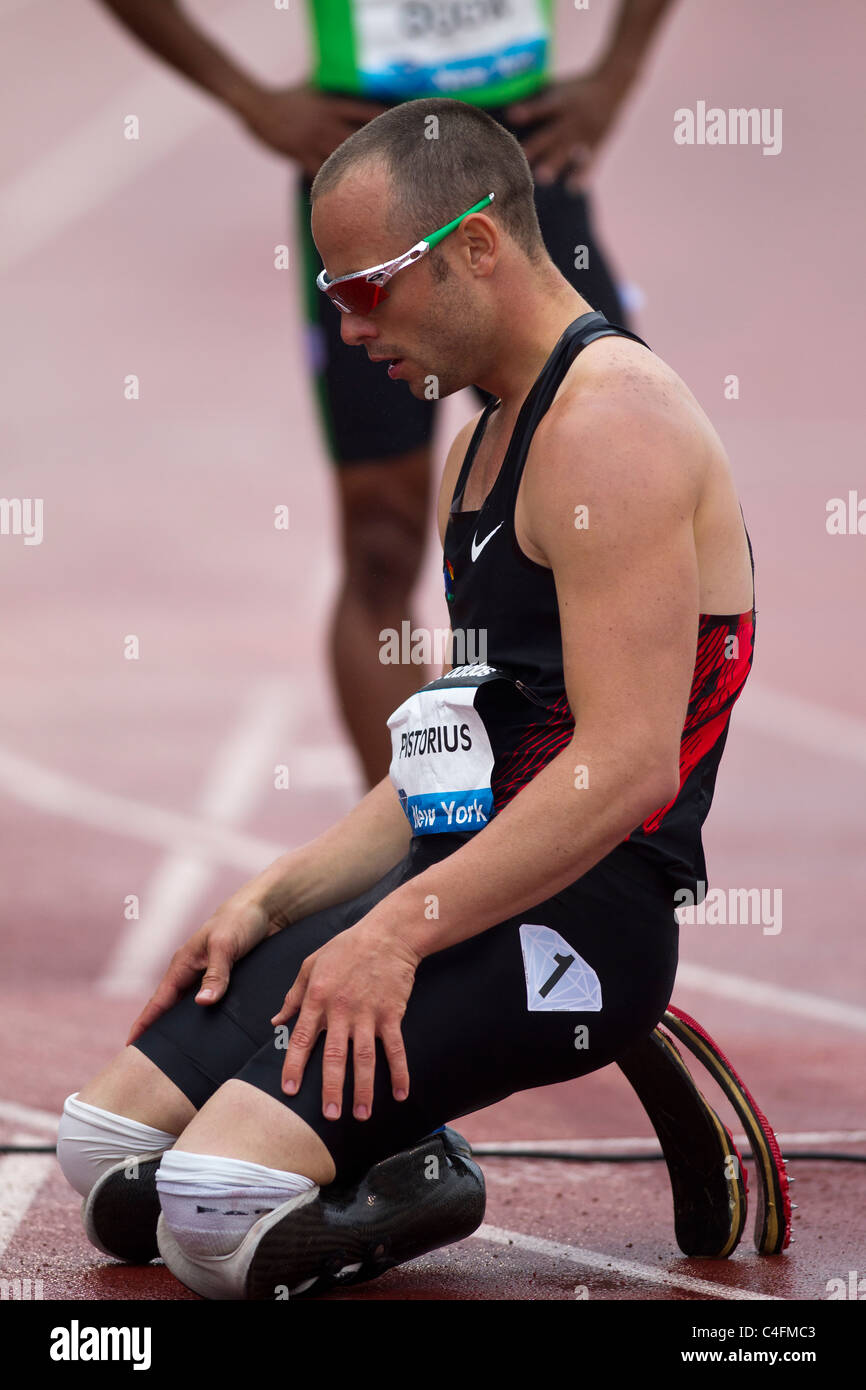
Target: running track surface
154, 777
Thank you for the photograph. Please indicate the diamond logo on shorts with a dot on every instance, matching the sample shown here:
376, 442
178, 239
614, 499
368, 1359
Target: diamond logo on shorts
557, 978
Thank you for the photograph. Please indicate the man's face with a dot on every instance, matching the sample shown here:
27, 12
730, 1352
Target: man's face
427, 328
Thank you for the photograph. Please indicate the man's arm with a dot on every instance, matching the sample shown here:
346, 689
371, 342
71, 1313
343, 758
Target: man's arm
630, 39
342, 862
299, 122
576, 113
628, 597
164, 28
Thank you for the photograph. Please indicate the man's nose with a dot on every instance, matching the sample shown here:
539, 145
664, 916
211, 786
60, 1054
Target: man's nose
355, 329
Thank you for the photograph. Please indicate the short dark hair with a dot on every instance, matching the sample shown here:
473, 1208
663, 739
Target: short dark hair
440, 169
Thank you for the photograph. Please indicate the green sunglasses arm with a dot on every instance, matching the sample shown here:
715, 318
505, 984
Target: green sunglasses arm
436, 237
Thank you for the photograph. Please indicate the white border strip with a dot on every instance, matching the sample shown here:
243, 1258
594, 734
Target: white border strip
21, 1176
610, 1264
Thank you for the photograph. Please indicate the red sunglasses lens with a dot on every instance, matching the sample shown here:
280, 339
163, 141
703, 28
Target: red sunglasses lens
356, 296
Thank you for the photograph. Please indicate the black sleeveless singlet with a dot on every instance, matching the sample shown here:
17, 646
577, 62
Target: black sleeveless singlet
493, 587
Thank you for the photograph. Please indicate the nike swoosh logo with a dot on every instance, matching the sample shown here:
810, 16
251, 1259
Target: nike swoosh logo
477, 549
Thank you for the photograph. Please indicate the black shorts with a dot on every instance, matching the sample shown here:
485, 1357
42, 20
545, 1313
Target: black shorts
363, 414
470, 1034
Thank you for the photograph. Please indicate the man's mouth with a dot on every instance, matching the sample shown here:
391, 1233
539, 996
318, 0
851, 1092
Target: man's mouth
394, 363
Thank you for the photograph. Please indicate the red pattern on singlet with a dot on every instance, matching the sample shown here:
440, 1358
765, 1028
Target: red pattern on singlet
722, 662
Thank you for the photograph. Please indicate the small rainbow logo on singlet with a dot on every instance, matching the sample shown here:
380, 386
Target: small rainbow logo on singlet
448, 576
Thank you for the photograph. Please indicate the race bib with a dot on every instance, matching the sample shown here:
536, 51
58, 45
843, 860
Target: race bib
445, 46
442, 758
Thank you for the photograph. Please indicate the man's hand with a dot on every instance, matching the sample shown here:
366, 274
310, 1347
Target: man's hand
233, 930
303, 123
576, 115
357, 986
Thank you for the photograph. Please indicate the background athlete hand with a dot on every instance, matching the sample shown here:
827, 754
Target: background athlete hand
233, 930
304, 123
357, 986
576, 114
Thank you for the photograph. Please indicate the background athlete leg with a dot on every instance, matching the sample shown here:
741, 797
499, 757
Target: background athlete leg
383, 524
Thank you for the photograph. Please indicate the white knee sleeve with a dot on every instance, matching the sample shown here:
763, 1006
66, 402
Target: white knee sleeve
209, 1203
90, 1141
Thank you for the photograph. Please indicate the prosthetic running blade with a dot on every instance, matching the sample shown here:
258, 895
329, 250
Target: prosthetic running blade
772, 1232
707, 1177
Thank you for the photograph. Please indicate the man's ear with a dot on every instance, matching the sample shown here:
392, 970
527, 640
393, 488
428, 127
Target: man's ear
483, 241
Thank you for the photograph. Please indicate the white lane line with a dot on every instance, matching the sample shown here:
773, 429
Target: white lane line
819, 1136
610, 1264
746, 990
238, 777
21, 1176
576, 1146
326, 767
774, 713
59, 795
313, 766
94, 161
649, 1145
14, 1113
779, 714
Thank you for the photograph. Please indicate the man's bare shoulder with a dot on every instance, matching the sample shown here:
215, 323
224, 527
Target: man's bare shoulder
622, 408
